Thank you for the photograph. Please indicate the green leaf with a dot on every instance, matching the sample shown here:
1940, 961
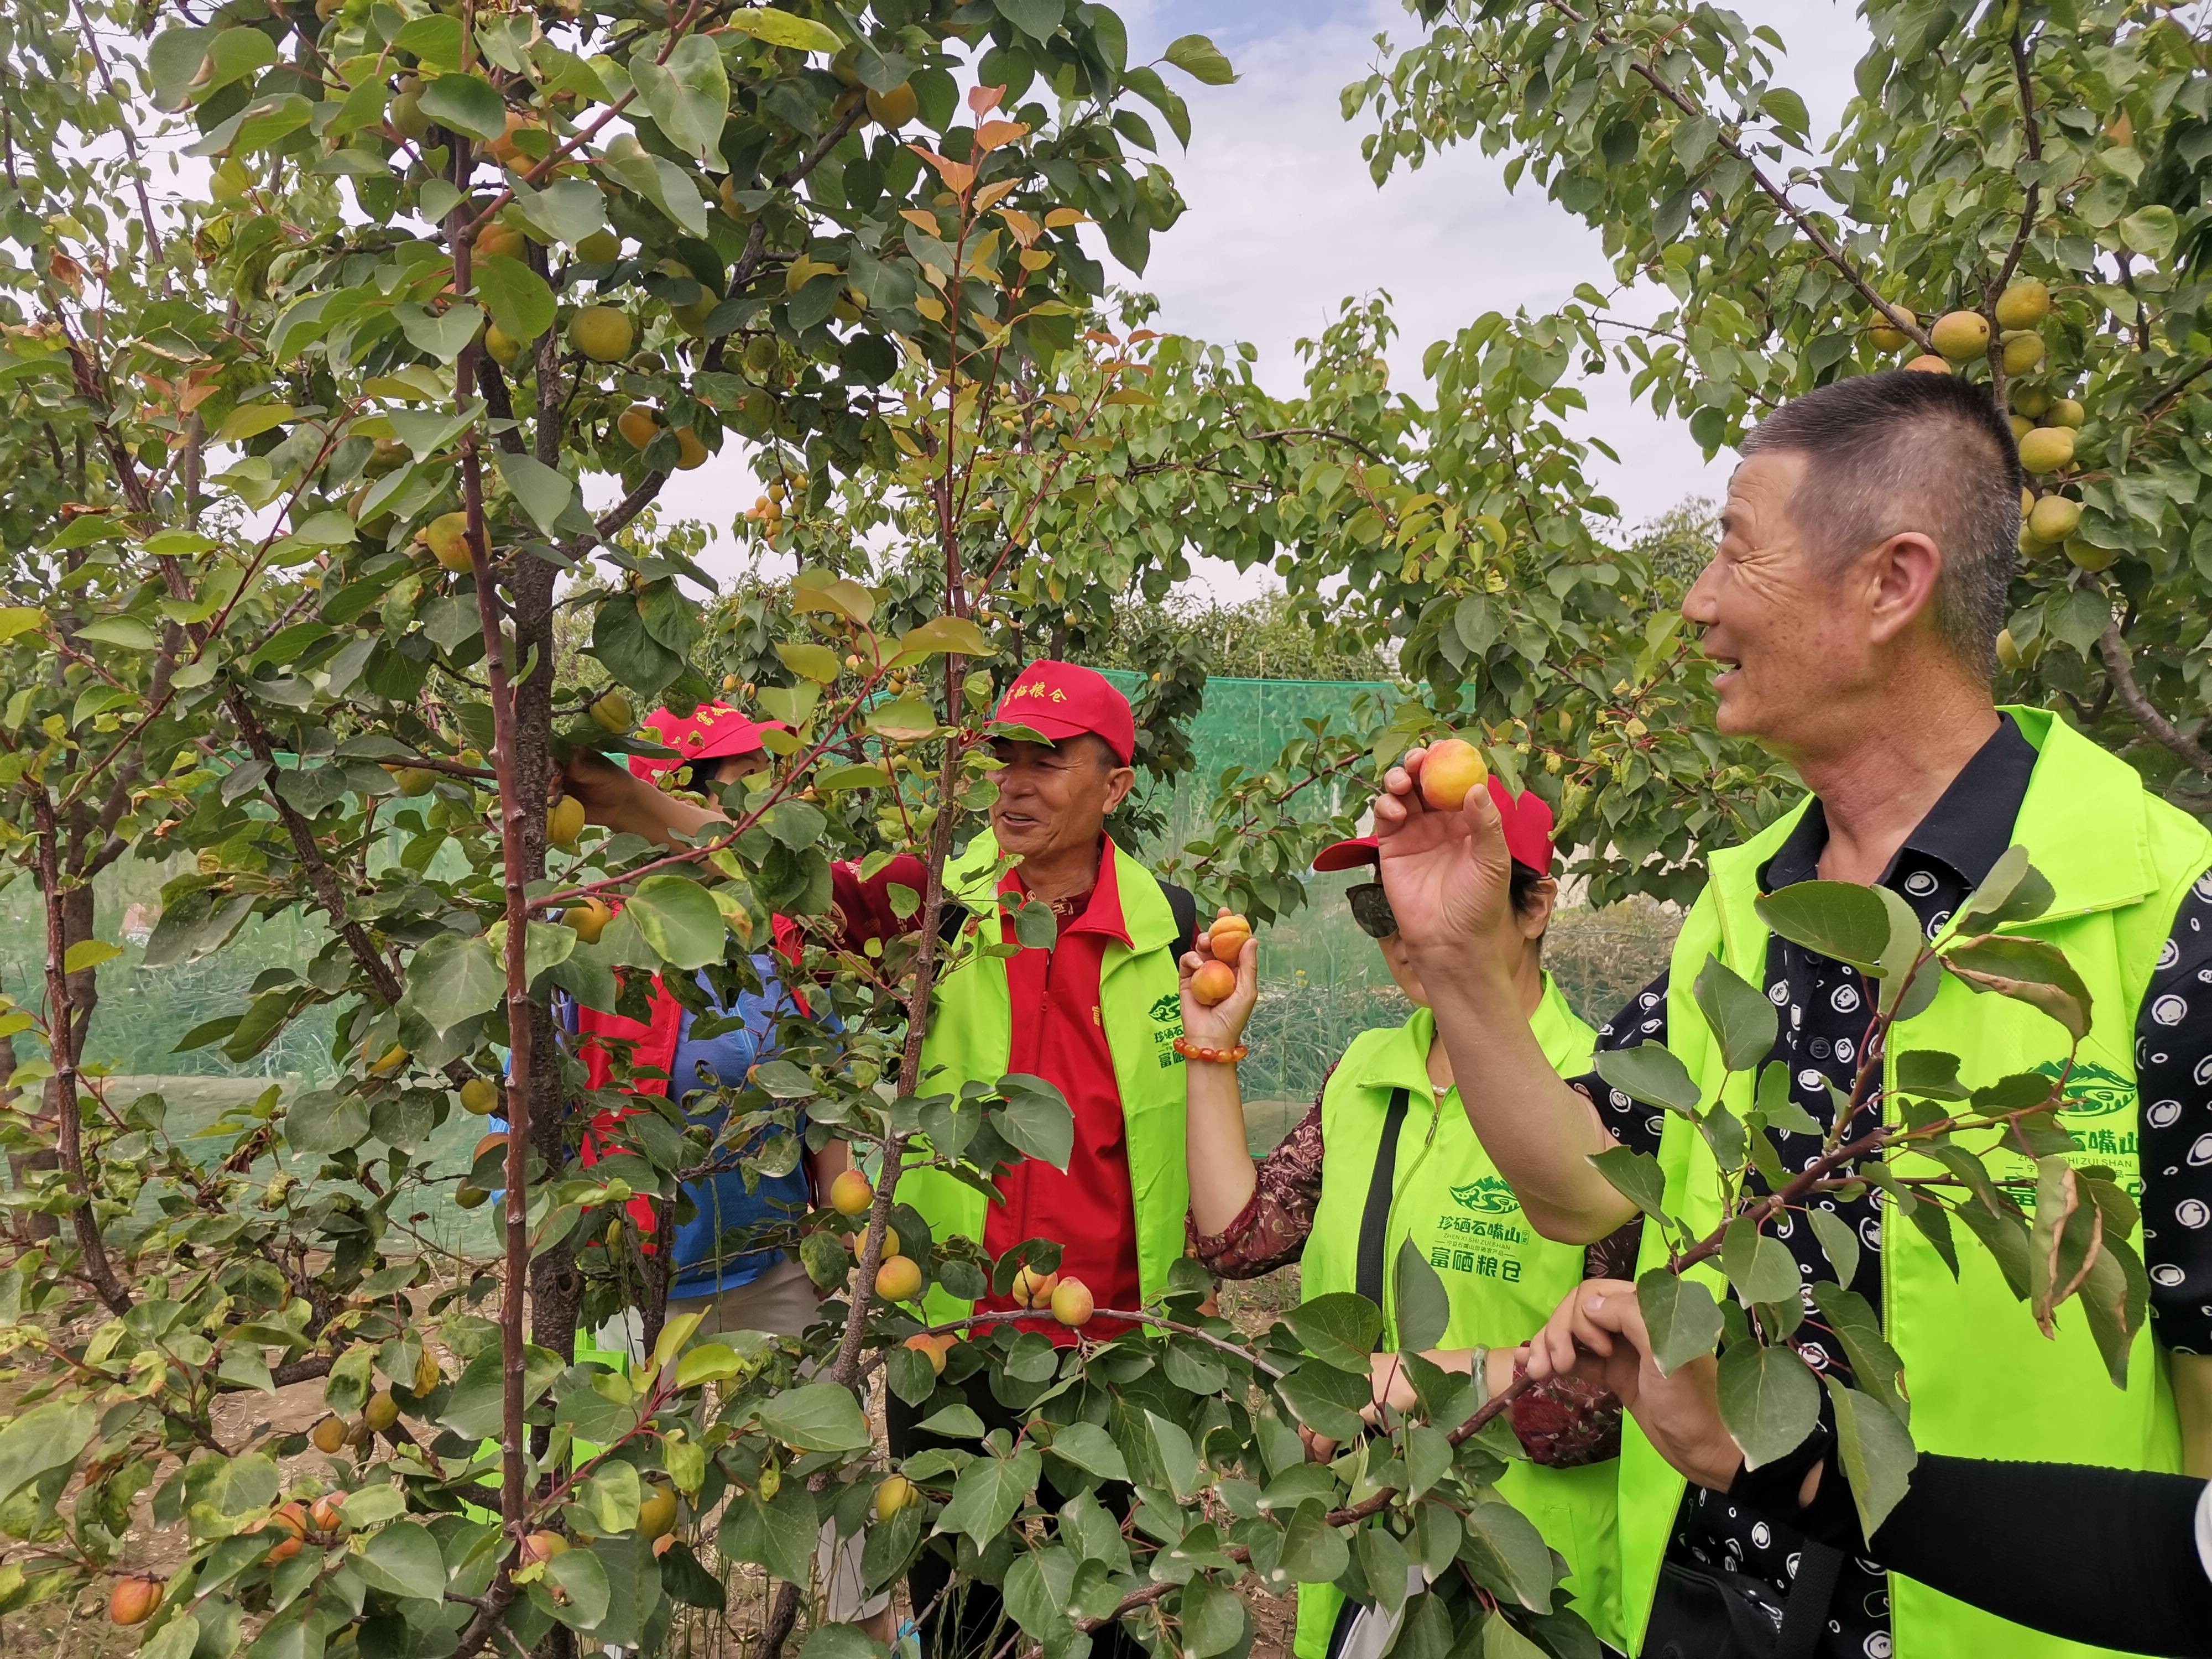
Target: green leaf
679, 919
778, 1537
1839, 1243
1423, 1305
1875, 1366
1035, 1119
1090, 1448
1340, 1329
1313, 1552
1839, 919
1509, 1554
1635, 1176
543, 492
19, 619
2029, 970
988, 1493
1176, 1458
1759, 1267
43, 1440
1651, 1073
403, 1559
88, 953
710, 1362
1739, 1013
1876, 1453
2014, 891
780, 28
1681, 1316
1768, 1400
689, 96
1038, 19
1787, 109
1328, 1399
453, 978
1213, 1619
1200, 58
517, 296
831, 1641
585, 1591
809, 661
954, 634
2151, 231
816, 1417
468, 104
126, 632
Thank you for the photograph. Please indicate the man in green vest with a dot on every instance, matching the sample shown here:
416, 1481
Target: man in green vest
1095, 1012
1852, 609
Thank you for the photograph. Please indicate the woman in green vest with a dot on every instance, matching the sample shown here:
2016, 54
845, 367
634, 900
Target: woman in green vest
1386, 1156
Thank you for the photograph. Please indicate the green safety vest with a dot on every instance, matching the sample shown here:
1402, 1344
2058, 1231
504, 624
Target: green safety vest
1504, 1279
971, 1036
1984, 1381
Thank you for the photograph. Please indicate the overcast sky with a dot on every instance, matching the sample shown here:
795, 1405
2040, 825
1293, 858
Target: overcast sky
1284, 221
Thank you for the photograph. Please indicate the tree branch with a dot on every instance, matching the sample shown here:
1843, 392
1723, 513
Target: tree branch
2112, 648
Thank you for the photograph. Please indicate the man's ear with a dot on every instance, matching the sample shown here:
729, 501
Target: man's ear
1119, 782
1902, 574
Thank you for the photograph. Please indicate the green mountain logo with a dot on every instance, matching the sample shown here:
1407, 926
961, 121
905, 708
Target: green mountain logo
2092, 1090
1489, 1195
1168, 1009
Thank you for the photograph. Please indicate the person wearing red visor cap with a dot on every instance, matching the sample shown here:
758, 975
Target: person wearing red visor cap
1094, 1013
1386, 1159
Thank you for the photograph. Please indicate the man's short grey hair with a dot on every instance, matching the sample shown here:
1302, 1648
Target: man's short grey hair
1902, 451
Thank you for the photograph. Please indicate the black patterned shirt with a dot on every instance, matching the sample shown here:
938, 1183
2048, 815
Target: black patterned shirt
1824, 1011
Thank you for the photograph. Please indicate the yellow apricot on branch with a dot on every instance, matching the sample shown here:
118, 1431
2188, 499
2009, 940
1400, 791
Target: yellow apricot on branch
850, 1193
587, 920
1961, 335
899, 1279
1033, 1289
1072, 1303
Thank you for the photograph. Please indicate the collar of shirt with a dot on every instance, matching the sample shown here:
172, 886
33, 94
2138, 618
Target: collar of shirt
1966, 831
1104, 913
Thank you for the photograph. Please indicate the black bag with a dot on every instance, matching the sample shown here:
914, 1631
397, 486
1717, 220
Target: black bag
1698, 1614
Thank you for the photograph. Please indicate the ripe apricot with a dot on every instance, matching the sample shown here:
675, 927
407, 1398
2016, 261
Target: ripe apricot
494, 1143
1214, 982
850, 1193
328, 1514
1927, 363
587, 920
638, 425
1072, 1303
448, 538
611, 712
899, 1279
934, 1347
1960, 336
656, 1513
564, 820
328, 1435
134, 1601
1452, 770
1033, 1289
893, 1494
1226, 938
603, 333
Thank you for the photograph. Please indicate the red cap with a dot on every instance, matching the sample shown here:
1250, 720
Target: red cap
709, 732
1058, 701
1528, 823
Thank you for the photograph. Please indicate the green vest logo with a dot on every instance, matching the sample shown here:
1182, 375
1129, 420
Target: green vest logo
2092, 1090
1168, 1009
1489, 1195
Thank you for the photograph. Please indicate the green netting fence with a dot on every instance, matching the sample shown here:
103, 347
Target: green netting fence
1324, 980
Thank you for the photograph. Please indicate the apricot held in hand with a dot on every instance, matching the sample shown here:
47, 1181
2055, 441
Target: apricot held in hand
1072, 1303
1214, 982
1226, 938
850, 1193
1451, 771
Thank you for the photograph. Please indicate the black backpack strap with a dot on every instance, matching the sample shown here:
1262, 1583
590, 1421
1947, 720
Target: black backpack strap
1185, 909
1382, 1187
951, 919
1805, 1614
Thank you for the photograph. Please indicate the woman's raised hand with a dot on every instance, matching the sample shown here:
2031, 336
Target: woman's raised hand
1218, 1023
